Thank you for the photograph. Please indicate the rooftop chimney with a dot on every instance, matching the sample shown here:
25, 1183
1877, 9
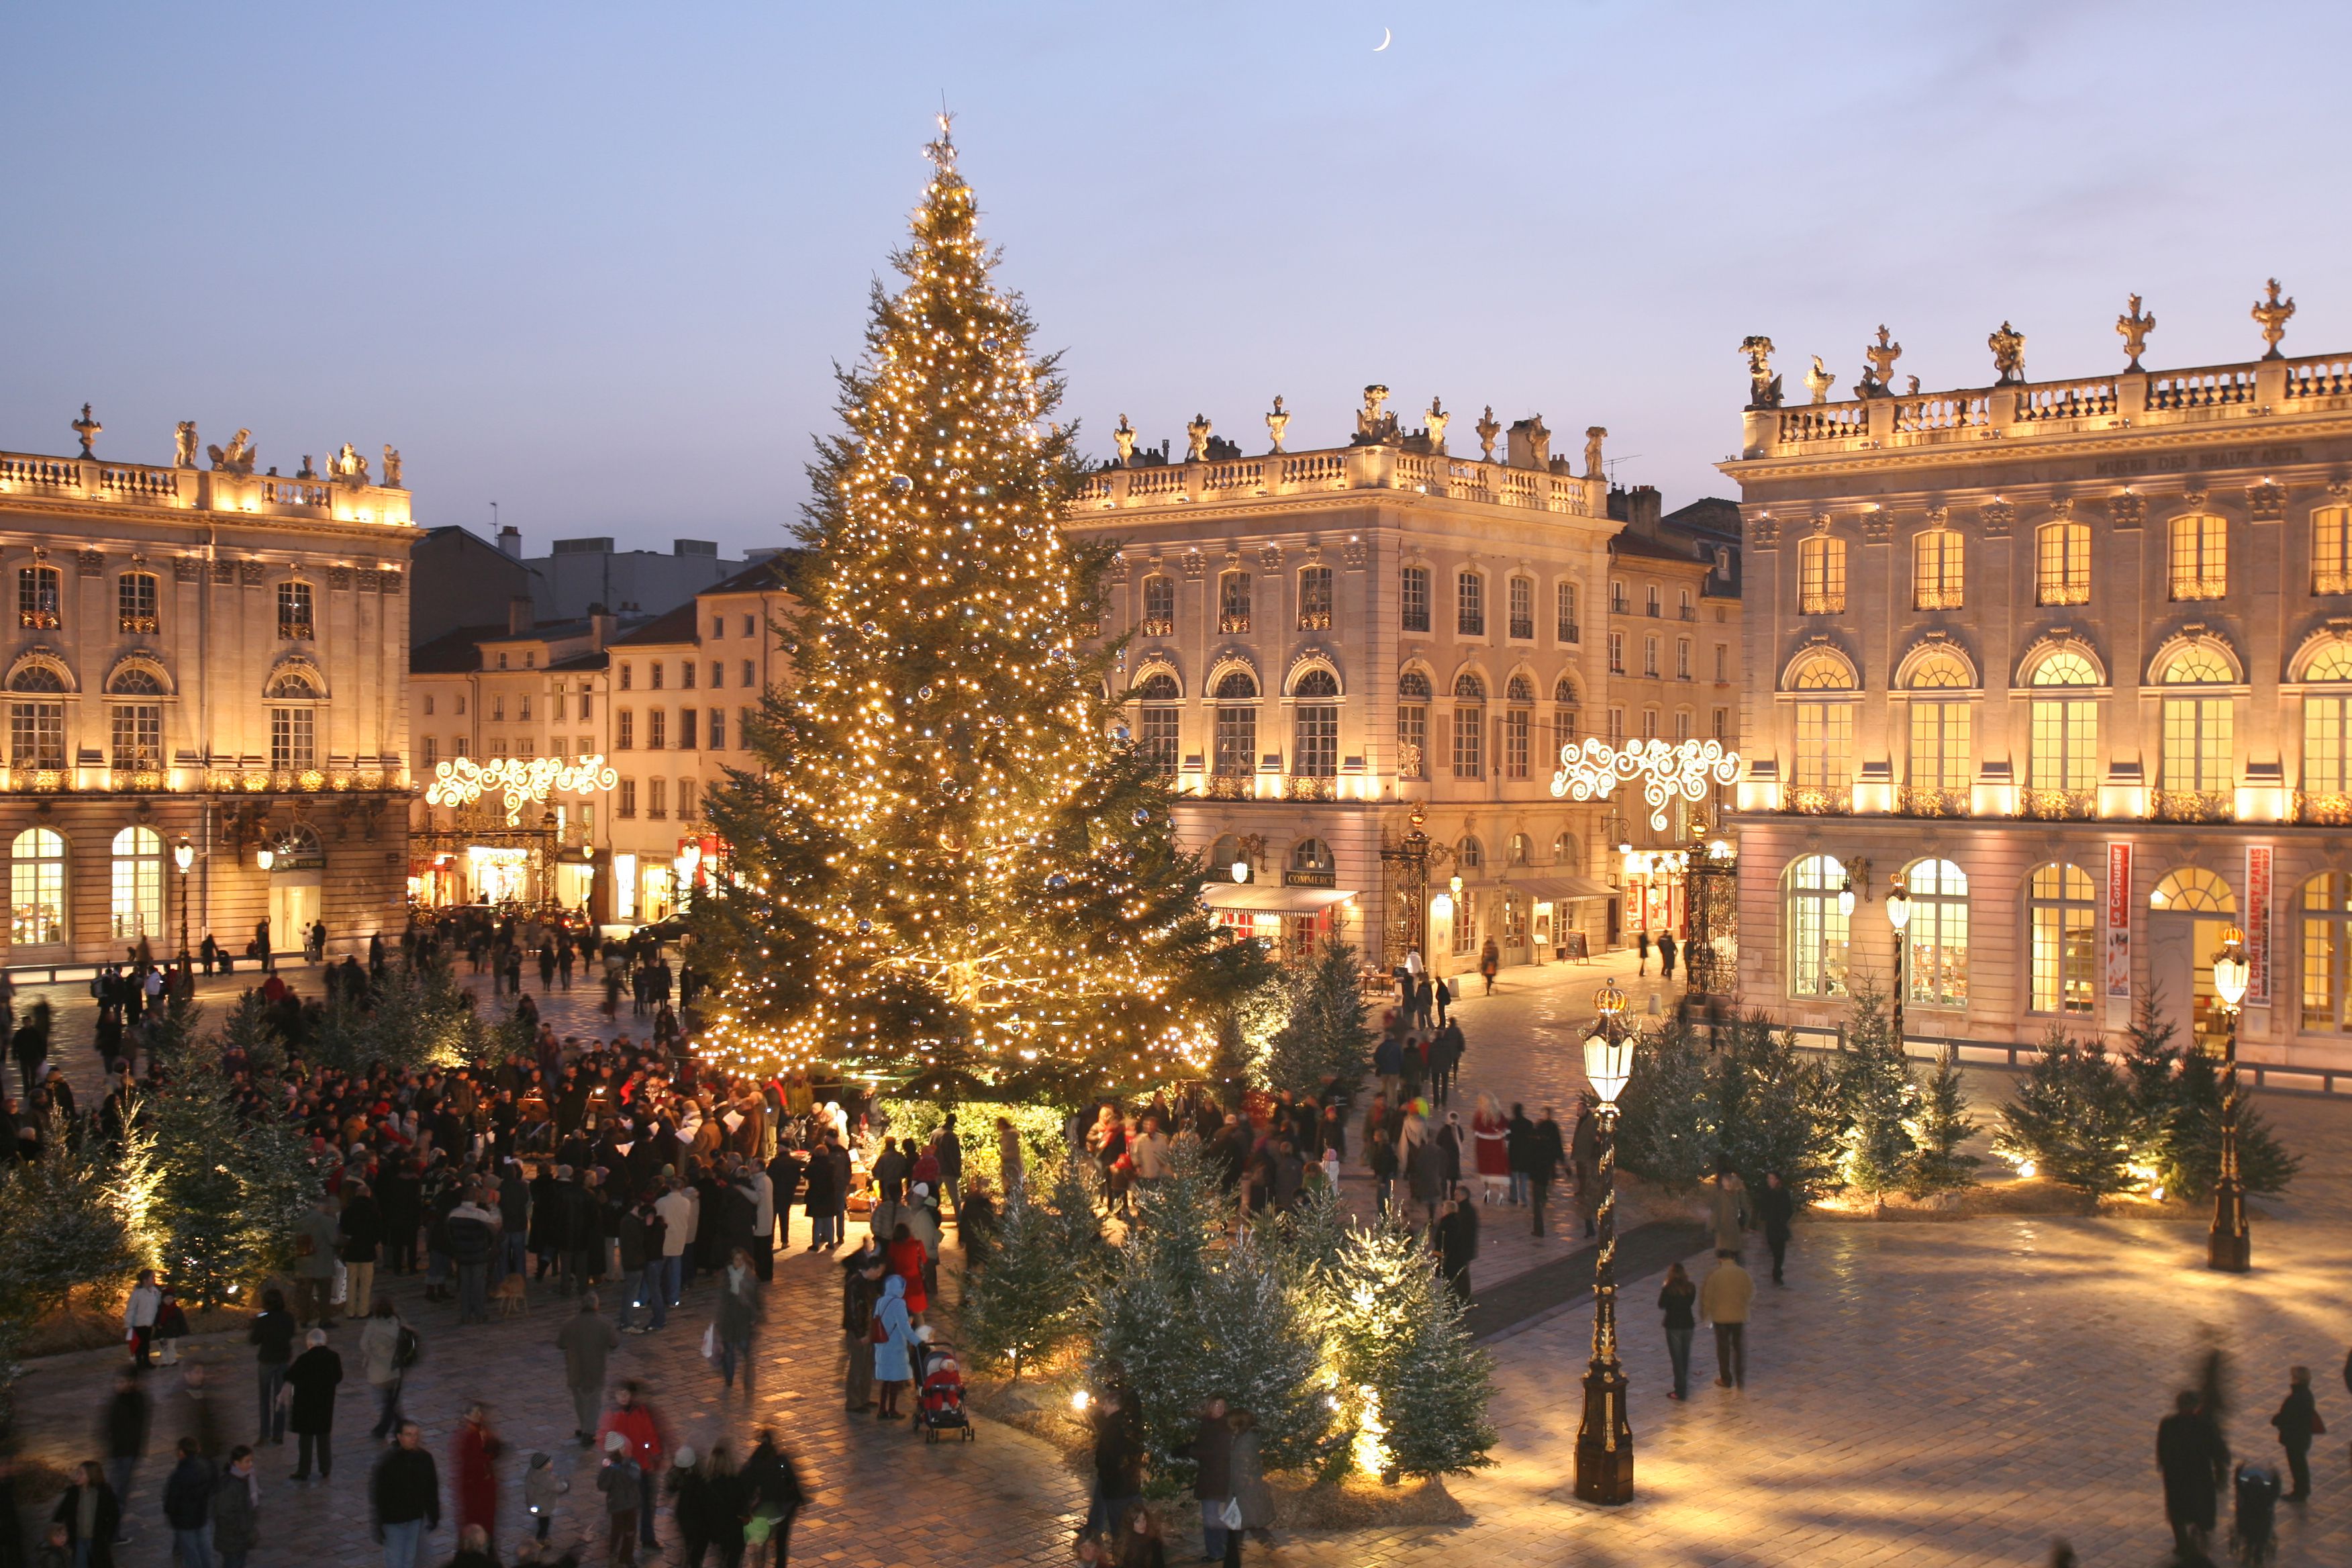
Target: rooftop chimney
519, 618
510, 542
600, 623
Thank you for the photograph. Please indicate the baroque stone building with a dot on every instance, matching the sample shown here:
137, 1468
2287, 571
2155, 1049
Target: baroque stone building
206, 656
2075, 659
1357, 665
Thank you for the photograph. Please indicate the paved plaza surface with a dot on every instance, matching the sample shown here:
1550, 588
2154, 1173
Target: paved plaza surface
1922, 1393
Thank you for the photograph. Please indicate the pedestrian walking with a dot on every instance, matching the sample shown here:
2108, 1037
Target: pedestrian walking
146, 1301
237, 1507
1490, 959
188, 1506
2298, 1422
542, 1488
861, 1293
1547, 1157
2193, 1461
1665, 955
92, 1513
271, 1335
387, 1347
1723, 1300
129, 1415
1457, 1243
633, 1419
587, 1342
310, 1398
1491, 1132
1677, 1299
1212, 1453
1254, 1498
1730, 1205
404, 1499
1775, 1210
1443, 996
621, 1479
315, 1238
1641, 952
474, 1471
737, 1314
892, 1334
1118, 1422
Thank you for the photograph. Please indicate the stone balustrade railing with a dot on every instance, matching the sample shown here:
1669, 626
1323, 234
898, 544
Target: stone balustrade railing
1379, 468
2260, 389
103, 482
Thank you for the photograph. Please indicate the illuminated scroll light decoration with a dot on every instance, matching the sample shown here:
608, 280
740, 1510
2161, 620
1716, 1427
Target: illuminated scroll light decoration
462, 780
1593, 771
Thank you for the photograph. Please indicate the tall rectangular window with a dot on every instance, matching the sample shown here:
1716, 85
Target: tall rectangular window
1824, 745
1314, 598
1158, 739
1820, 576
134, 603
1469, 740
656, 728
2200, 556
1616, 653
138, 736
2326, 745
625, 728
1650, 656
1723, 723
2062, 564
686, 717
626, 807
687, 800
1682, 659
1413, 740
657, 799
1518, 729
1316, 750
2066, 743
1939, 746
40, 590
1158, 607
1523, 608
432, 749
1564, 612
685, 670
718, 729
37, 735
293, 739
1235, 742
1616, 726
1234, 602
1412, 599
1563, 733
656, 674
1937, 577
2196, 744
1722, 663
2331, 550
294, 622
1469, 604
587, 705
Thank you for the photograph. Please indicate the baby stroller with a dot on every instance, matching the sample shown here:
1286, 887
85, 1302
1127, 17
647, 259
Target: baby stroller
939, 1409
2257, 1493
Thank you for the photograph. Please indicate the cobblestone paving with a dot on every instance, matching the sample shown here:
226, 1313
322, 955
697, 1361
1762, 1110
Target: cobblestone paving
1929, 1394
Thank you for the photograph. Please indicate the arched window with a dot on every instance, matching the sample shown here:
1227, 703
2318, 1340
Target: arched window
1470, 853
1315, 726
2326, 909
1820, 576
293, 685
137, 903
1412, 725
1518, 726
1816, 927
2192, 890
40, 590
1312, 856
2198, 729
1160, 686
1821, 670
1469, 727
1938, 670
36, 887
134, 680
1519, 689
1564, 718
2062, 919
1939, 753
37, 677
1159, 607
2065, 729
1520, 849
1937, 574
1161, 721
1224, 855
1235, 726
293, 731
2062, 564
1936, 970
2327, 733
1563, 850
1824, 729
2200, 556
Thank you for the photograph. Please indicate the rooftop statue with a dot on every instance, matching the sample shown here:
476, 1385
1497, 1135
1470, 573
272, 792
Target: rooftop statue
1882, 357
1488, 427
2135, 329
1818, 381
1197, 433
1763, 386
2008, 345
1123, 436
236, 457
1438, 420
1276, 422
183, 444
2272, 313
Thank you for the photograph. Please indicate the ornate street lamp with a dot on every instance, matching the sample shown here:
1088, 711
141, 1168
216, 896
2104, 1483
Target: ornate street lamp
2228, 1246
1413, 855
1898, 915
183, 856
1604, 1444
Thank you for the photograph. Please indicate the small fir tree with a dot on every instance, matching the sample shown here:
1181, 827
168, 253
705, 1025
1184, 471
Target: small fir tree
1325, 1038
1077, 1231
228, 1189
1261, 1351
1415, 1385
2071, 1117
2177, 1116
1027, 1301
1776, 1109
1666, 1117
1942, 1125
1875, 1096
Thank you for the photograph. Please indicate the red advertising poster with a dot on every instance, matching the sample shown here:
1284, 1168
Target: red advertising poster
2258, 925
2119, 905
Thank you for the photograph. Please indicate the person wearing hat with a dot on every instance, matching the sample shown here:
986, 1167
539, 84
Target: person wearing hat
621, 1479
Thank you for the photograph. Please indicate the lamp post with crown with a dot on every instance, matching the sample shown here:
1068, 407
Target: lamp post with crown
1898, 915
1604, 1444
2228, 1246
183, 856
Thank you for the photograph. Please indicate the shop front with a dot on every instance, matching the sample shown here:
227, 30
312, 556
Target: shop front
1292, 921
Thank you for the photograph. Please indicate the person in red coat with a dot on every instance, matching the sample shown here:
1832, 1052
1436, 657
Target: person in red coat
473, 1462
906, 1255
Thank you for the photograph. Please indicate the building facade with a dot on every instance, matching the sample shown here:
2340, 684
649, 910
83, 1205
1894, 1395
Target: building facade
2073, 659
207, 656
1357, 665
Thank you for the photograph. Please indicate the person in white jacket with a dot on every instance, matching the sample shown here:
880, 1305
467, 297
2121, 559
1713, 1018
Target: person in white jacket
139, 1315
762, 1194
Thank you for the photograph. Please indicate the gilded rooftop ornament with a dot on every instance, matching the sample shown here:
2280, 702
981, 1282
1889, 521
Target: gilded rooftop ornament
1488, 427
2135, 329
2274, 314
88, 429
1277, 422
2008, 345
1819, 381
1882, 356
1763, 386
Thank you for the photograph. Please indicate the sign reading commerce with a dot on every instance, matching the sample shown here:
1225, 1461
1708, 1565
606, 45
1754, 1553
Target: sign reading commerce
462, 780
1591, 771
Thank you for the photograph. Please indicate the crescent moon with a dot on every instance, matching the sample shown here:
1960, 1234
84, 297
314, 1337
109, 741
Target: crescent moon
1386, 35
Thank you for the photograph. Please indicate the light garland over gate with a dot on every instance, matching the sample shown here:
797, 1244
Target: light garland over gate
462, 780
1593, 771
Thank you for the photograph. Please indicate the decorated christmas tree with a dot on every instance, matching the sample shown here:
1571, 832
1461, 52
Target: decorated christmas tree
946, 866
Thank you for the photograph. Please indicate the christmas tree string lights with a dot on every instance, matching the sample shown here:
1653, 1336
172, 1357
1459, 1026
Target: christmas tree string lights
944, 870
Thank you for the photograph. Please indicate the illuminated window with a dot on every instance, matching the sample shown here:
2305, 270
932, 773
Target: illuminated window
1817, 930
2062, 911
138, 891
1234, 602
1412, 724
1936, 970
294, 620
1820, 576
2192, 890
1158, 606
2198, 729
37, 876
1469, 728
2331, 550
1937, 576
293, 739
2327, 723
1314, 598
1412, 599
1824, 745
40, 590
2065, 729
1821, 670
1564, 612
1939, 746
2200, 556
134, 603
1235, 733
1315, 722
2062, 564
138, 734
2326, 909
